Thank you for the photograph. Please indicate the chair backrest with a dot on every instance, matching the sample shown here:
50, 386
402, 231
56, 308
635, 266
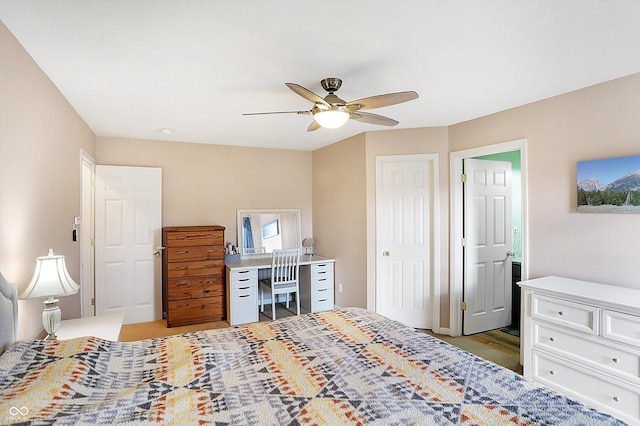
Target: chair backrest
285, 266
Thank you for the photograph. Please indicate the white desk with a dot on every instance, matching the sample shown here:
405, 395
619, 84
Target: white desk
316, 286
105, 326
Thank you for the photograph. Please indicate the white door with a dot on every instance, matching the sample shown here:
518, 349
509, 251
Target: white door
87, 236
128, 231
404, 227
488, 245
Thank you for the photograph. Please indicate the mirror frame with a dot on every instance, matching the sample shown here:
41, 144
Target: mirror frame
240, 228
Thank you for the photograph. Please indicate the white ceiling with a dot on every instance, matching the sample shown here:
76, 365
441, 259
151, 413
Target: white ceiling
132, 67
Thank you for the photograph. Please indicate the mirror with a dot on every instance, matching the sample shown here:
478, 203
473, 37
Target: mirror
260, 231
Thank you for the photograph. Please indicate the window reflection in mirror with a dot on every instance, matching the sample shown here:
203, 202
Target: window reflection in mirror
262, 231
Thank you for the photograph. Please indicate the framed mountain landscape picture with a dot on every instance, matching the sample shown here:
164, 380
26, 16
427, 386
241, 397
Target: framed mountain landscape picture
610, 185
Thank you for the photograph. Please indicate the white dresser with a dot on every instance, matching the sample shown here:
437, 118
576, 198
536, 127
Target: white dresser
316, 286
583, 339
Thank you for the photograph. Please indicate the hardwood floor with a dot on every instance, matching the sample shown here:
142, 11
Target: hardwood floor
495, 345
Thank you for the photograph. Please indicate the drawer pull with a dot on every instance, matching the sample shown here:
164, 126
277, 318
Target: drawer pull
244, 279
183, 306
243, 272
182, 267
323, 289
322, 272
183, 252
322, 279
322, 265
615, 360
207, 291
560, 313
552, 372
551, 339
243, 288
182, 283
212, 251
246, 295
322, 300
616, 399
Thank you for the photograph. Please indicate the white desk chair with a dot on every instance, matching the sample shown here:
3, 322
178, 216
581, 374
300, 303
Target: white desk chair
285, 268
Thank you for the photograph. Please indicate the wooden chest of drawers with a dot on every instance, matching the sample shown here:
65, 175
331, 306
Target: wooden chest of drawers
193, 274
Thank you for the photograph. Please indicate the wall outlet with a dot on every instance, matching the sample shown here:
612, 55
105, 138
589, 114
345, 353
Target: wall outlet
339, 287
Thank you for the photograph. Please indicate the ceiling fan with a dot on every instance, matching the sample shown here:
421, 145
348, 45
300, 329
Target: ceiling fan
332, 112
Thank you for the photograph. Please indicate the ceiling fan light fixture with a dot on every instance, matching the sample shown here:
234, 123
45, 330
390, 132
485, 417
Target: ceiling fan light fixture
332, 119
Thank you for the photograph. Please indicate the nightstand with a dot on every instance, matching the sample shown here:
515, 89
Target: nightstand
105, 326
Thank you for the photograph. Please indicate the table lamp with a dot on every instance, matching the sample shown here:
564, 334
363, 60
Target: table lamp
50, 279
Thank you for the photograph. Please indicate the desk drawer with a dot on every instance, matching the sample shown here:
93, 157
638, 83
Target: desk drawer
203, 267
242, 277
186, 254
565, 313
322, 270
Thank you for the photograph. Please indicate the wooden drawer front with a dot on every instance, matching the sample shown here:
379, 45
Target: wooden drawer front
185, 254
204, 267
597, 351
621, 327
195, 287
184, 311
568, 314
194, 238
582, 384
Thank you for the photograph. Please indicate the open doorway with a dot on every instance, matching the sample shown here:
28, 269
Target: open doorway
511, 149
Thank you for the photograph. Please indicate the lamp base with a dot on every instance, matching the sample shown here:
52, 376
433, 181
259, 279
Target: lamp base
51, 317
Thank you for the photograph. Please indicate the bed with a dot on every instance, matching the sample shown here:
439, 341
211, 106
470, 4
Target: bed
346, 366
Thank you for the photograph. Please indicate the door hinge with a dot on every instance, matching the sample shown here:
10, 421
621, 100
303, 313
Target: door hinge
93, 242
93, 301
463, 177
463, 242
463, 306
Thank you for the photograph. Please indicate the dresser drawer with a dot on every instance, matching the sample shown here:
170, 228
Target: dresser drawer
203, 267
593, 349
194, 238
186, 254
195, 310
571, 379
621, 327
568, 314
195, 287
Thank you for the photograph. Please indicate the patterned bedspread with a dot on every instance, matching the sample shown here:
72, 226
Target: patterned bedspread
346, 366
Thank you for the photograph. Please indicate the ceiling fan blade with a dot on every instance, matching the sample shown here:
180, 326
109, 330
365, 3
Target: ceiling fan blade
382, 100
278, 112
367, 117
313, 126
307, 94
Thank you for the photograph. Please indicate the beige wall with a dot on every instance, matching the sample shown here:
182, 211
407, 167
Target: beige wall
597, 122
41, 137
344, 188
340, 215
205, 184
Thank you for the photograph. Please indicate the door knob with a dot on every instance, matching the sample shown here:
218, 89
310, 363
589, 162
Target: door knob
158, 250
510, 253
386, 253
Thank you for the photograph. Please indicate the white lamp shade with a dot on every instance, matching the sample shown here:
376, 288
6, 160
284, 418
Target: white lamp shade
331, 119
50, 279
